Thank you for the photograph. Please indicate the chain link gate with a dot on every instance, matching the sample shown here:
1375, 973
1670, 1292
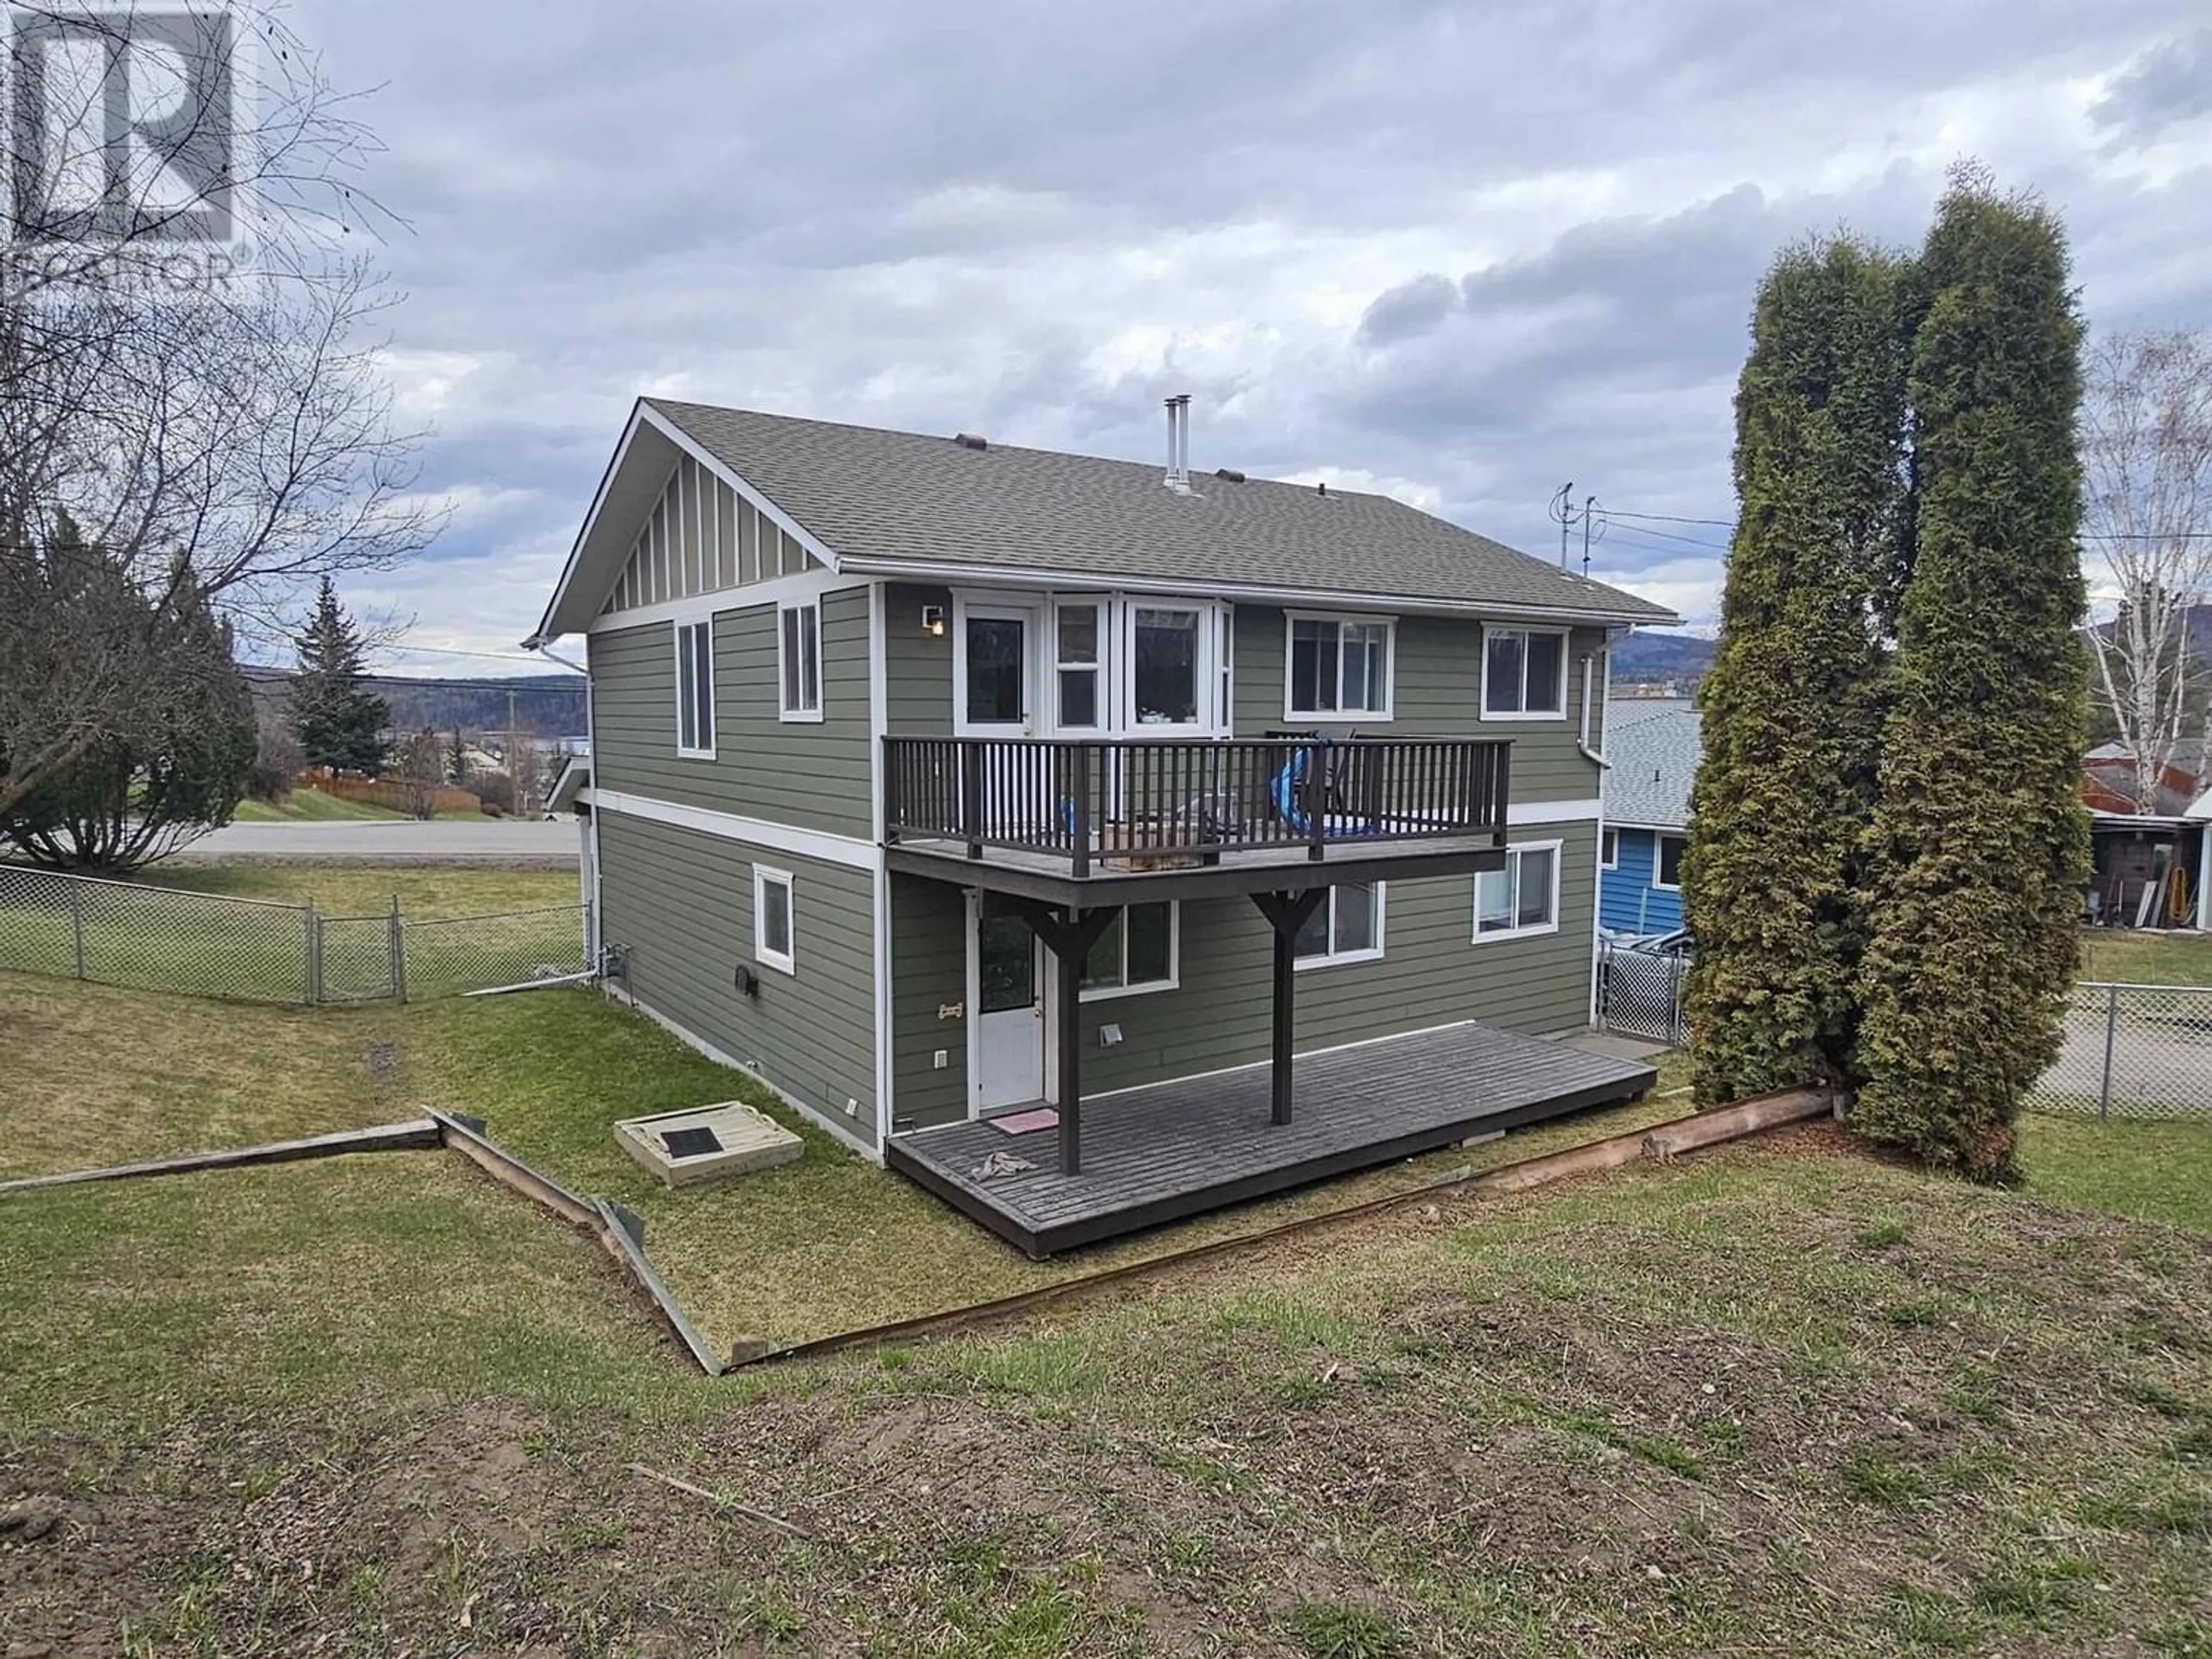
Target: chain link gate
1640, 993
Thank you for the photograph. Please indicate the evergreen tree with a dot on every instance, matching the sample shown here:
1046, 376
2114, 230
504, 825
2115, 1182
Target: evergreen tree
1979, 844
338, 723
1792, 706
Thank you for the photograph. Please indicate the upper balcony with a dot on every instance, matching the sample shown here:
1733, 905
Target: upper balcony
1102, 822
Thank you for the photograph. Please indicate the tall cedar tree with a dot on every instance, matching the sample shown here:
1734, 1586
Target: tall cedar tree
1979, 845
1792, 706
338, 723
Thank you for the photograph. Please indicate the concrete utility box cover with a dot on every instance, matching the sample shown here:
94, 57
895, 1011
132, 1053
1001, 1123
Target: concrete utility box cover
708, 1143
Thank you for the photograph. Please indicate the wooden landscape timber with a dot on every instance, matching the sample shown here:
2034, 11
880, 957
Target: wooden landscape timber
416, 1134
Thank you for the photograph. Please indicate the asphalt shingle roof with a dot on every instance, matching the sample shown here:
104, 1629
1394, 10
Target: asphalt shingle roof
1655, 752
873, 494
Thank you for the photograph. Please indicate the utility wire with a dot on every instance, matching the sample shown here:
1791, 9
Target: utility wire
2083, 535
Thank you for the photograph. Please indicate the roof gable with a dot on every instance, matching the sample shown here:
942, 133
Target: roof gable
876, 501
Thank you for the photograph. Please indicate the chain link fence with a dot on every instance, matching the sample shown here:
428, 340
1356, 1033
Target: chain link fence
159, 938
2133, 1051
1640, 993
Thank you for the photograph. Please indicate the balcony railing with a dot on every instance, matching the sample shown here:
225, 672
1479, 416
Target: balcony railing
1145, 804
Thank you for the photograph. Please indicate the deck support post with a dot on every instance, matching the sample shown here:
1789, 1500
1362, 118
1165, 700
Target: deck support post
1286, 913
1069, 938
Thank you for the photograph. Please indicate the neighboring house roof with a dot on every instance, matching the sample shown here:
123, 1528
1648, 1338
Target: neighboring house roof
903, 504
1654, 754
2108, 785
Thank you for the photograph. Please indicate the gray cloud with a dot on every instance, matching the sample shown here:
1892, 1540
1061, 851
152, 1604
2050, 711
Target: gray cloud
2168, 84
1463, 252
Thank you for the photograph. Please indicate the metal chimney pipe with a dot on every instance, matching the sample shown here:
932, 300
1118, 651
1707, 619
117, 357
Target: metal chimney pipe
1178, 478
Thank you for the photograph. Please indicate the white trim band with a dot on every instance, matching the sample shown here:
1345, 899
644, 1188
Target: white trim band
1552, 812
848, 850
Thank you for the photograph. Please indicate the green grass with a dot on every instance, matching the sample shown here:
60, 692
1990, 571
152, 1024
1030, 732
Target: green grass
346, 890
2116, 956
2149, 1170
312, 806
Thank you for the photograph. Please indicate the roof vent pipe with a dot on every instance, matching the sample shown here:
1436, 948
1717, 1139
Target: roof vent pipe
1178, 478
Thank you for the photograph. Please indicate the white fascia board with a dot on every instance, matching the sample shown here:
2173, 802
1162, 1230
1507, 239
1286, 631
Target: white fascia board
1521, 813
849, 851
975, 575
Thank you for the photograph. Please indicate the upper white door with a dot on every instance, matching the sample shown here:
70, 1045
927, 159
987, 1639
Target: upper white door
995, 671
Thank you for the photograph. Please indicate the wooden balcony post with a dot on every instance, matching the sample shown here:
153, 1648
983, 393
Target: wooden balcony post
893, 754
1079, 824
971, 795
1286, 913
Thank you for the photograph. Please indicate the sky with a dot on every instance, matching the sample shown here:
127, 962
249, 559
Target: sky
1462, 253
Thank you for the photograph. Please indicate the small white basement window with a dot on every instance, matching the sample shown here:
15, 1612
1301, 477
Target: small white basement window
1524, 673
774, 921
1338, 666
694, 690
1136, 953
1522, 898
798, 659
1346, 927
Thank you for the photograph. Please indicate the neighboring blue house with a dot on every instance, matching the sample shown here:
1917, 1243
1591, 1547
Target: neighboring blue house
1652, 744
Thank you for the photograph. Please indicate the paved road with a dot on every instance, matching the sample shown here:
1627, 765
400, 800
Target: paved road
492, 841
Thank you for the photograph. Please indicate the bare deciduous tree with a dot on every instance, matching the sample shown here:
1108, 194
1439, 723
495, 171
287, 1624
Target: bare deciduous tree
2147, 451
231, 441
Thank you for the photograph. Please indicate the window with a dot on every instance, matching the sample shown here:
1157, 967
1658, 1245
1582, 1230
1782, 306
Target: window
1667, 870
1346, 927
1521, 898
773, 945
1609, 848
1524, 674
694, 690
1075, 643
1164, 666
1338, 665
1137, 952
798, 659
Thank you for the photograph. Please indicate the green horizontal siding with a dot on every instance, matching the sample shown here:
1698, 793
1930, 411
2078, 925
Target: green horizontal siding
680, 905
917, 666
1437, 692
813, 775
1431, 973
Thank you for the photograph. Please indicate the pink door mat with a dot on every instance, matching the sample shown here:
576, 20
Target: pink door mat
1020, 1123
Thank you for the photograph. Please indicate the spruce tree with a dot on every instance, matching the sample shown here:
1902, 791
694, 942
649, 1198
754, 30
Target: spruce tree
1979, 845
1792, 705
338, 725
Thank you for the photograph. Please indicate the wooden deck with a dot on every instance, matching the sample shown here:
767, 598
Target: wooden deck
1174, 1150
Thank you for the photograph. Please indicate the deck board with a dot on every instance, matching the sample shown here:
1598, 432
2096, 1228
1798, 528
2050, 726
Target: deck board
1178, 1148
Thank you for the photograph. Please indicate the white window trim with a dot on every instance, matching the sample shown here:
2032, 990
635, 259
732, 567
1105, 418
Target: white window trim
784, 962
1145, 988
1102, 706
789, 715
1607, 838
1659, 840
1345, 958
1341, 716
677, 631
1204, 669
1566, 640
1555, 848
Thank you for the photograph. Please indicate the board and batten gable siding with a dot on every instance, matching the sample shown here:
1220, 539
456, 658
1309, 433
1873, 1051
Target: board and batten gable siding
1437, 692
679, 905
1631, 904
813, 775
701, 536
1431, 973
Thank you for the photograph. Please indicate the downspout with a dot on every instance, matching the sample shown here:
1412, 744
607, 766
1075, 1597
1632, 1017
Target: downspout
1583, 742
1597, 853
2204, 876
590, 827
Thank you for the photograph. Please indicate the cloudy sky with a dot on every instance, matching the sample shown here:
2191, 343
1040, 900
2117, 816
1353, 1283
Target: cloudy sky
1461, 252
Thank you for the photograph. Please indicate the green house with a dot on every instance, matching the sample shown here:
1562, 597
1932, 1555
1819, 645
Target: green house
1093, 841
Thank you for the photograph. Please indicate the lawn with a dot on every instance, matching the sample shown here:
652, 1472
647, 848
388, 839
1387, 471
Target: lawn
2114, 957
345, 890
1786, 1398
312, 806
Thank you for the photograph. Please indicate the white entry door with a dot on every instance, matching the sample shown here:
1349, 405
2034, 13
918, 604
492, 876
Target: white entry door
995, 671
1009, 1015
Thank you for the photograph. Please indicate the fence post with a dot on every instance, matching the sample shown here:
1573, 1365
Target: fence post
397, 942
77, 923
313, 979
2111, 1034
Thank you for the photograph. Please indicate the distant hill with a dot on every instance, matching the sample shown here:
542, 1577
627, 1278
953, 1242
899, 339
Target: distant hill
1645, 658
551, 705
